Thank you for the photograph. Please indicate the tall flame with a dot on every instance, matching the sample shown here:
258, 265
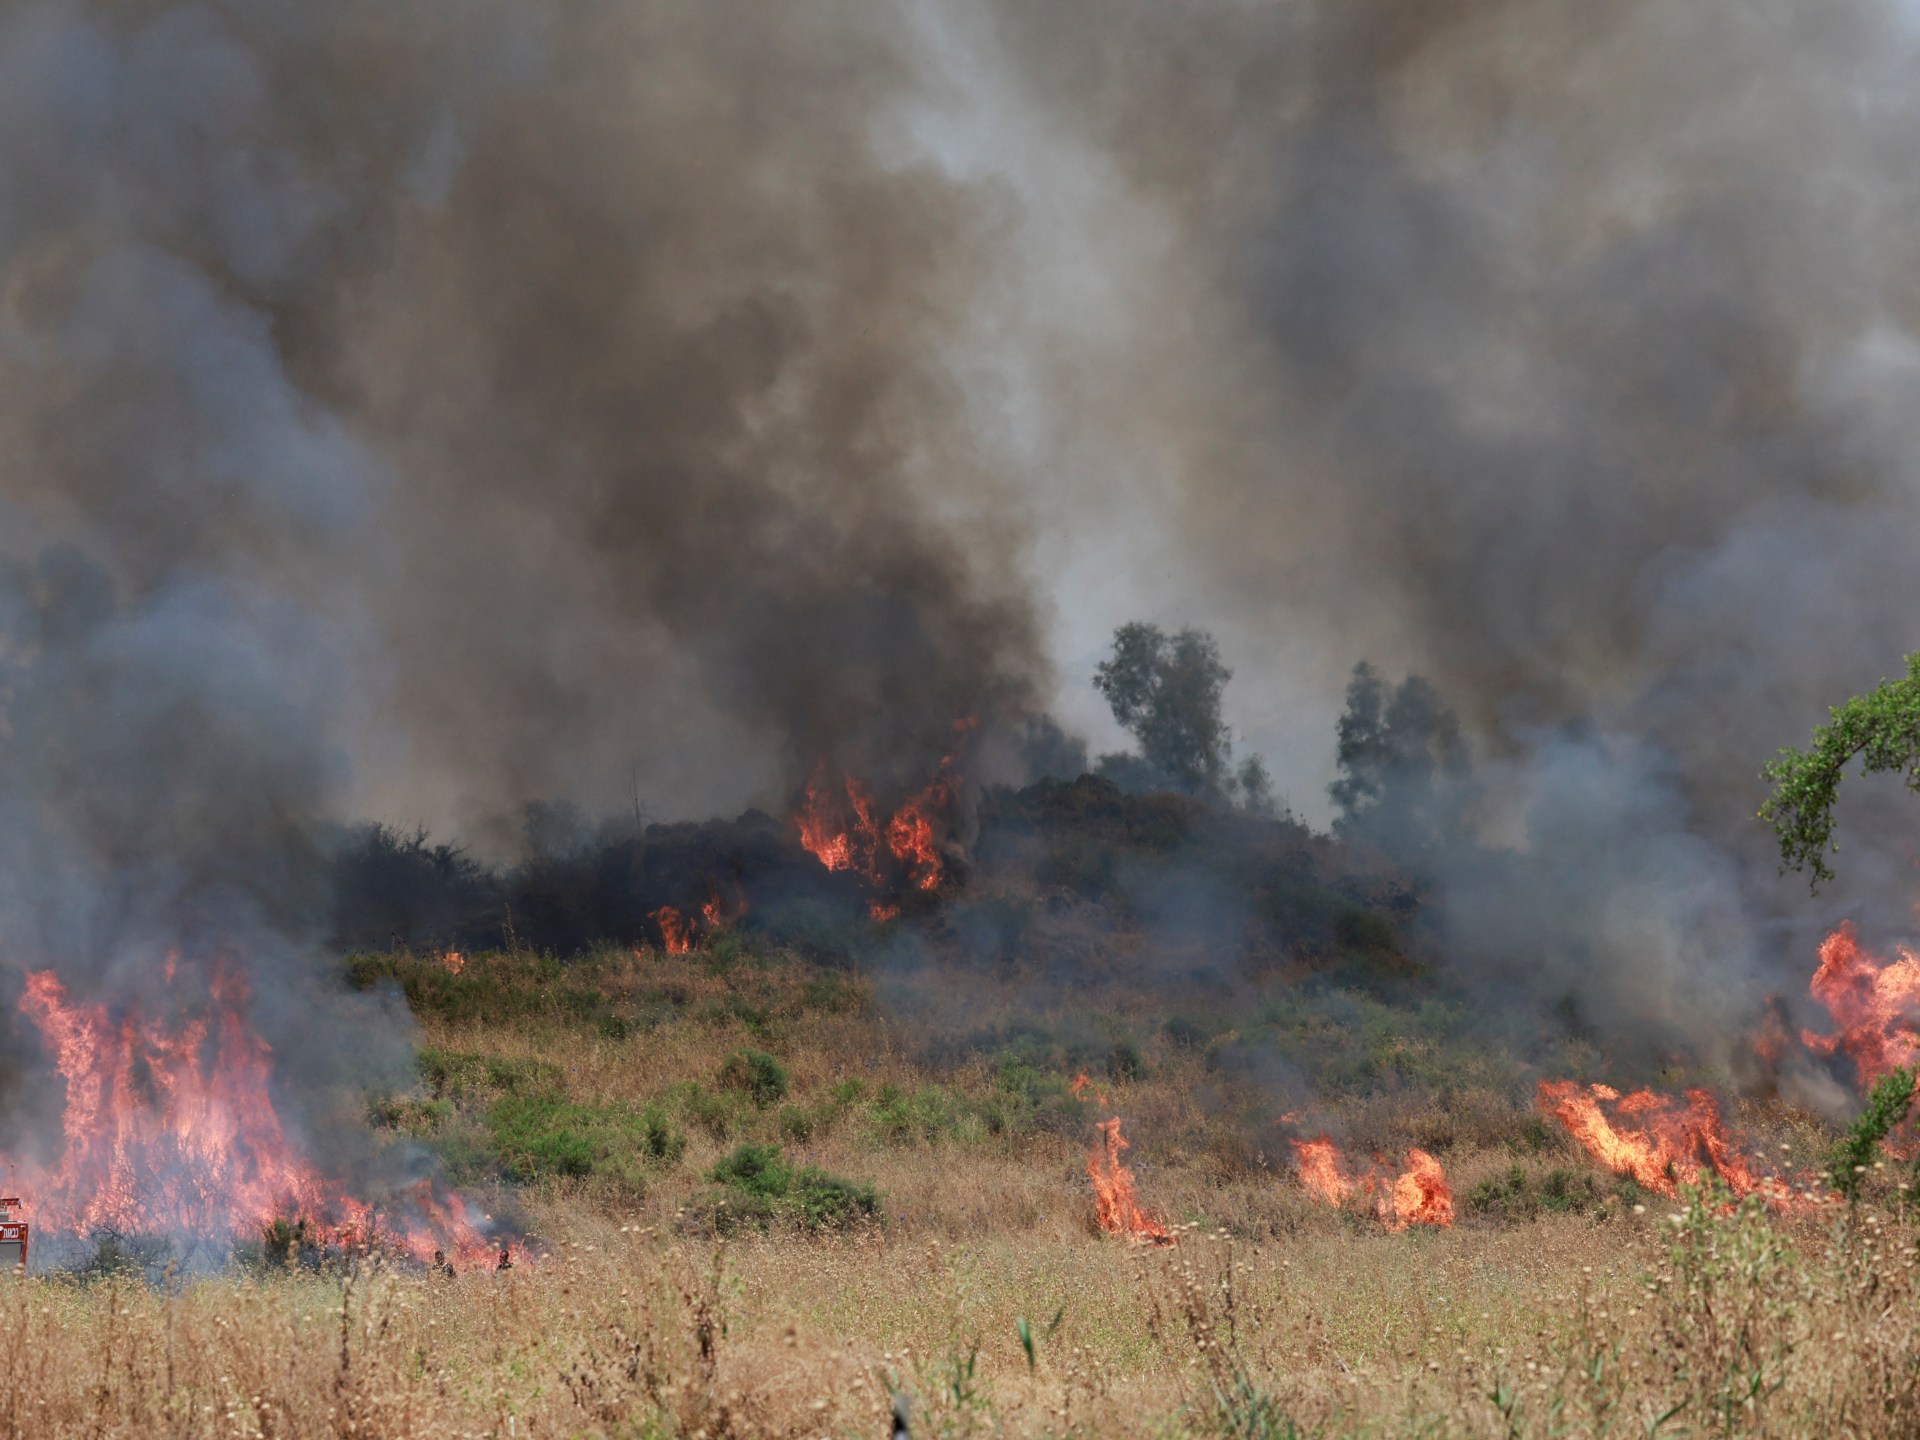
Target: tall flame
1875, 1002
172, 1129
1115, 1204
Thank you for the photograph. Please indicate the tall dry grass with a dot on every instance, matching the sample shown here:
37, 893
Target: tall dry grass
1717, 1323
1273, 1316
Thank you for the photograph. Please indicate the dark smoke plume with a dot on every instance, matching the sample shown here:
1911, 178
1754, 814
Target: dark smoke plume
1566, 356
421, 410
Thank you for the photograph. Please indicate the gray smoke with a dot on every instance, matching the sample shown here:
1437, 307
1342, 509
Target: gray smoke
1565, 356
419, 411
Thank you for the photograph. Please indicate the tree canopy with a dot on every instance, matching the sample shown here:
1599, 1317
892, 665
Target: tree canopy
1166, 690
1882, 727
1401, 759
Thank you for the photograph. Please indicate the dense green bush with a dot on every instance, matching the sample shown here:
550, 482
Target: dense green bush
758, 1185
757, 1075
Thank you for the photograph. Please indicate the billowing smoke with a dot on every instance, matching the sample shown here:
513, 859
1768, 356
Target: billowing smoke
1566, 357
421, 411
417, 411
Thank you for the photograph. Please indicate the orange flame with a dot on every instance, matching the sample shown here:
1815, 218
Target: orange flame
1115, 1205
1322, 1171
1419, 1195
1662, 1143
174, 1130
903, 849
454, 961
675, 929
1080, 1086
1875, 1003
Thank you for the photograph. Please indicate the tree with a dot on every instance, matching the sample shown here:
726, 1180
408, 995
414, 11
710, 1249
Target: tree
1166, 690
1400, 759
1882, 727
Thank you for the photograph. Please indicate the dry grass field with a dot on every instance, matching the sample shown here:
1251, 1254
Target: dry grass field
599, 1099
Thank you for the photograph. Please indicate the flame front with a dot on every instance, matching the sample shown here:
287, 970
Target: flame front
1875, 1003
1658, 1140
173, 1130
1418, 1195
1115, 1205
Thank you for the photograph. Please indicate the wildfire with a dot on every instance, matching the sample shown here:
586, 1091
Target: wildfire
1321, 1171
676, 930
172, 1129
681, 930
1418, 1195
840, 826
453, 961
1081, 1086
1875, 1002
1115, 1205
1658, 1140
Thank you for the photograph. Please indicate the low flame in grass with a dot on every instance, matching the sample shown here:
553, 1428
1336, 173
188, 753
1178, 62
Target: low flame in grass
1115, 1204
170, 1128
1418, 1195
453, 961
840, 826
1658, 1140
1875, 1003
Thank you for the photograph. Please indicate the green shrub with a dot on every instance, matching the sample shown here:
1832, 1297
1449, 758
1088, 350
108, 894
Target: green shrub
795, 1124
903, 1117
459, 1074
410, 1116
1887, 1105
1520, 1195
758, 1185
760, 1170
756, 1074
835, 995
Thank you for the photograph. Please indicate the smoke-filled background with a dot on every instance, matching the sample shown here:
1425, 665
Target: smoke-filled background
414, 412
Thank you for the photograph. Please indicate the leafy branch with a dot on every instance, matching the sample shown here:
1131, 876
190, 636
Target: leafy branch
1882, 727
